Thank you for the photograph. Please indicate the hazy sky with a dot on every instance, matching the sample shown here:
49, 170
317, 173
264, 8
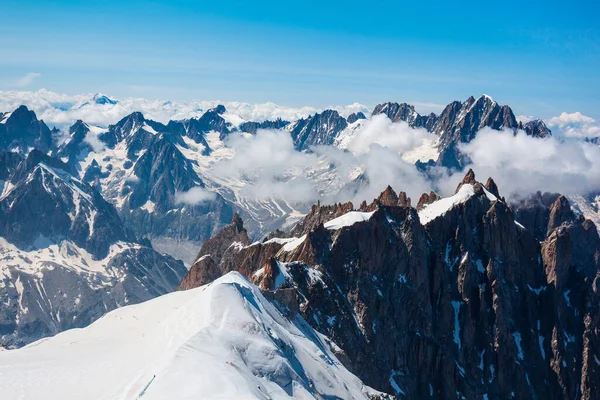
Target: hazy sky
542, 58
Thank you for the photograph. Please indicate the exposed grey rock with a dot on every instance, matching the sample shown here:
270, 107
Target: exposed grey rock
318, 129
352, 118
252, 127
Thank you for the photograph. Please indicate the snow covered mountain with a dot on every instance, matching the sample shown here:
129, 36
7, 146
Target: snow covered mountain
65, 256
222, 340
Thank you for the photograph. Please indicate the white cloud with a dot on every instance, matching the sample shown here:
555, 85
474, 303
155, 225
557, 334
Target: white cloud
63, 110
521, 164
575, 125
26, 80
195, 195
270, 167
93, 140
399, 137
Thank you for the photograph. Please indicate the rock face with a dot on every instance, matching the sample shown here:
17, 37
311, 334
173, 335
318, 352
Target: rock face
21, 130
252, 127
405, 113
352, 118
318, 129
469, 304
65, 256
459, 122
43, 189
536, 128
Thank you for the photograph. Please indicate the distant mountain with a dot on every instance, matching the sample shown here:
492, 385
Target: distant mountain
65, 256
462, 297
139, 165
352, 118
460, 123
405, 113
252, 127
318, 129
101, 99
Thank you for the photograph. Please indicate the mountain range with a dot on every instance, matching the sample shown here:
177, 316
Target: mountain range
467, 296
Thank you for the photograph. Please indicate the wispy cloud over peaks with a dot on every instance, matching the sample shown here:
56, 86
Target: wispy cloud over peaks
26, 80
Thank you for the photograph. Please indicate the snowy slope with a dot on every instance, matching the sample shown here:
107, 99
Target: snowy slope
223, 340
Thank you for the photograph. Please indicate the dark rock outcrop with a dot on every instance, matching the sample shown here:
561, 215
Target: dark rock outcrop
404, 113
21, 130
536, 128
469, 305
252, 127
352, 118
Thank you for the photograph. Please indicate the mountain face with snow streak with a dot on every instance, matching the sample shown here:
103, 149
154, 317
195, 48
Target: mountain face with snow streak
138, 165
223, 340
459, 122
20, 131
65, 256
457, 298
318, 129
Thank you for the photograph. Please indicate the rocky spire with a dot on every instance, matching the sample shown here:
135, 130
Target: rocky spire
468, 179
560, 212
403, 200
427, 199
491, 186
388, 197
237, 222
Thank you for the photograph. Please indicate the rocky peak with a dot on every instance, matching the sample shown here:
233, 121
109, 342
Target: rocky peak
320, 214
388, 197
318, 129
211, 120
426, 199
126, 127
233, 233
102, 99
163, 171
560, 213
237, 223
219, 109
468, 179
352, 118
22, 130
491, 186
536, 128
403, 112
460, 123
253, 127
44, 189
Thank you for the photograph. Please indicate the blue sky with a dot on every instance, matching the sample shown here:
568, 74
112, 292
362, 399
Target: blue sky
541, 58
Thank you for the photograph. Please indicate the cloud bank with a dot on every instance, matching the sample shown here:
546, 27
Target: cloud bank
521, 164
376, 157
63, 110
